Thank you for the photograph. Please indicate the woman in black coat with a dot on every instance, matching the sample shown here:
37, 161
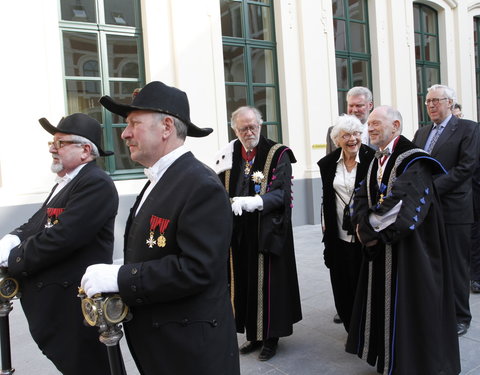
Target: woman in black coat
341, 172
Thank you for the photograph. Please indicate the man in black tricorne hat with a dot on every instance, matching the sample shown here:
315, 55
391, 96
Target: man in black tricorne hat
176, 246
49, 254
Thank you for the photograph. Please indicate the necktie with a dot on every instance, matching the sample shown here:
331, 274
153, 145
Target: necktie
434, 139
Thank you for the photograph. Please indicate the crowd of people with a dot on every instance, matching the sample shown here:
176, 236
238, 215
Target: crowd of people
210, 253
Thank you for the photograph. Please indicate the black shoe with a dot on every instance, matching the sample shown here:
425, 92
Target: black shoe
250, 346
269, 349
337, 319
462, 328
475, 286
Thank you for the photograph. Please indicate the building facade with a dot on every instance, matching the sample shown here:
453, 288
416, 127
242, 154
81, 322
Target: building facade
293, 59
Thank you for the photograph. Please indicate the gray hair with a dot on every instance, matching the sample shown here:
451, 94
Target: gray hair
85, 141
360, 90
180, 126
348, 124
447, 91
241, 110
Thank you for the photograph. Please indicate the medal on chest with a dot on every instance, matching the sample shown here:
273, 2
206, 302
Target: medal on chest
162, 225
52, 216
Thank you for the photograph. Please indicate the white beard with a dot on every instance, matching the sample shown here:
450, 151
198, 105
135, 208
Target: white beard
56, 167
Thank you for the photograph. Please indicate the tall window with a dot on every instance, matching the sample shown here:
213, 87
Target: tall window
102, 55
352, 47
426, 55
476, 34
250, 60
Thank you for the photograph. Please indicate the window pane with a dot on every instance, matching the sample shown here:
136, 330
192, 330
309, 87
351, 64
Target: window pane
421, 108
271, 132
342, 102
429, 20
234, 63
120, 12
231, 12
356, 10
340, 35
262, 65
122, 56
358, 42
420, 88
236, 97
342, 74
431, 53
432, 76
122, 92
360, 73
259, 22
264, 100
338, 8
83, 96
78, 10
80, 51
418, 46
416, 17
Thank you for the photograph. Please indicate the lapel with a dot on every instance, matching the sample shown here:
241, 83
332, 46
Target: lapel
423, 133
449, 130
131, 216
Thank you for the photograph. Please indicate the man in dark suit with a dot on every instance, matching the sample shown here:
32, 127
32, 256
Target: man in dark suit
453, 142
359, 104
49, 254
176, 246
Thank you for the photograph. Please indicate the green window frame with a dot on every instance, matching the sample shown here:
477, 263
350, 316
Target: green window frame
250, 61
427, 55
103, 55
476, 34
352, 47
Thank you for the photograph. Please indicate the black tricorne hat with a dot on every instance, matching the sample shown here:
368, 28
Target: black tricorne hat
78, 124
158, 97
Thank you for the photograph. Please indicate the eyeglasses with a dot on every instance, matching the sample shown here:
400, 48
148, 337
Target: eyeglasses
58, 144
434, 101
347, 136
246, 129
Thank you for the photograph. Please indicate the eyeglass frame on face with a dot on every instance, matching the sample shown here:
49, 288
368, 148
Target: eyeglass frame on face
252, 128
434, 101
60, 143
347, 136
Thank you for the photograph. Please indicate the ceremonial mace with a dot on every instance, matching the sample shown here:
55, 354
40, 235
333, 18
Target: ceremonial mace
107, 312
8, 289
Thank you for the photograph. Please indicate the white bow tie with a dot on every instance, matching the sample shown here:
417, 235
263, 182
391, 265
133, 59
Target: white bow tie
150, 175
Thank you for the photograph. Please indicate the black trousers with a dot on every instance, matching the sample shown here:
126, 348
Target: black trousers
344, 273
459, 244
475, 252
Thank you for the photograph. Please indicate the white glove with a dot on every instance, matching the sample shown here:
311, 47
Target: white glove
100, 278
7, 243
248, 204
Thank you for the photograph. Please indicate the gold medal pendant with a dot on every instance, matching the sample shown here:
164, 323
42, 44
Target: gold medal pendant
150, 241
161, 241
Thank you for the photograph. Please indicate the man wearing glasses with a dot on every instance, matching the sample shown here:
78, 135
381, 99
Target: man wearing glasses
257, 174
49, 254
453, 142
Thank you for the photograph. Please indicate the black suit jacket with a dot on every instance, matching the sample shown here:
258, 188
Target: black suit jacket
328, 167
182, 317
457, 151
50, 262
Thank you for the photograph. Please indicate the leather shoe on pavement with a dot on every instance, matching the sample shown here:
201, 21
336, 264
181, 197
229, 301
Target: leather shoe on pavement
462, 328
475, 286
337, 319
250, 346
267, 352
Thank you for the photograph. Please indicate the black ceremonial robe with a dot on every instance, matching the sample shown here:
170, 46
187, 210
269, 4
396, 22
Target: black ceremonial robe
404, 314
266, 298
